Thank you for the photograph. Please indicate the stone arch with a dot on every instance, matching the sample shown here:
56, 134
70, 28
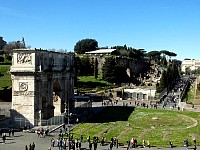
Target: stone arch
41, 82
57, 101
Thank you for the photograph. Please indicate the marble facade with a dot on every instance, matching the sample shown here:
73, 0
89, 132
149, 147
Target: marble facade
42, 81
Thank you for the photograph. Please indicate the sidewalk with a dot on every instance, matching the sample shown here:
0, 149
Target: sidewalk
21, 139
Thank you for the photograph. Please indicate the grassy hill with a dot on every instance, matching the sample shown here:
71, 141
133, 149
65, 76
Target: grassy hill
5, 77
157, 126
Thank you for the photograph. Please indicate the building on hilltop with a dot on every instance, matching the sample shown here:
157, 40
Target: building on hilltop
190, 64
104, 52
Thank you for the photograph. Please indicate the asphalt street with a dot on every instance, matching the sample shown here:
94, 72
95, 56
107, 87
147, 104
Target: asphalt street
21, 139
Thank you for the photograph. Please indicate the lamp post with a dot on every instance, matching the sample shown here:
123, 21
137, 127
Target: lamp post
67, 115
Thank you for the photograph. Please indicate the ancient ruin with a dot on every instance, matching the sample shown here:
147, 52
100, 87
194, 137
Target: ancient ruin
42, 82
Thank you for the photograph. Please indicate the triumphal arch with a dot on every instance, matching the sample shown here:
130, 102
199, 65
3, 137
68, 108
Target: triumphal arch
42, 82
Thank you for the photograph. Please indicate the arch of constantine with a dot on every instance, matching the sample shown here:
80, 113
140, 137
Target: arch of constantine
42, 82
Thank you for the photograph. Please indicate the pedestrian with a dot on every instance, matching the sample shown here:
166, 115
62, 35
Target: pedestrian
59, 144
143, 143
33, 146
30, 147
117, 143
13, 132
194, 140
9, 132
79, 145
111, 145
88, 139
95, 145
26, 147
187, 144
195, 147
90, 145
4, 138
128, 144
170, 143
52, 142
148, 144
81, 138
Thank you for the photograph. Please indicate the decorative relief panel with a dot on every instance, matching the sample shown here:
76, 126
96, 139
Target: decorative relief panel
23, 86
24, 58
23, 93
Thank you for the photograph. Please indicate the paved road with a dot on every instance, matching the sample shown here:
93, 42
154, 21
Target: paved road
21, 139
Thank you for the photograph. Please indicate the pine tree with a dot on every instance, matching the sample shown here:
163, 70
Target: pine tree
109, 70
95, 68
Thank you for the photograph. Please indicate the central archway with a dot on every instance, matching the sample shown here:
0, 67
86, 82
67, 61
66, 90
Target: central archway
57, 101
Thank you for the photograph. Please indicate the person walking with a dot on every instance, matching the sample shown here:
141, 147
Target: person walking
30, 147
143, 143
4, 138
194, 140
33, 146
170, 143
90, 145
128, 144
9, 132
13, 132
52, 142
148, 144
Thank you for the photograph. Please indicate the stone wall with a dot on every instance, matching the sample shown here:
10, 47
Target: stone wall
136, 67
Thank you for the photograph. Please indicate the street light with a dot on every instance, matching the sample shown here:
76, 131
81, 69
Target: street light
67, 115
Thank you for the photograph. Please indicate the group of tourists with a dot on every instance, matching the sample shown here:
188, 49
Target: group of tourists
133, 143
41, 132
114, 142
94, 143
30, 147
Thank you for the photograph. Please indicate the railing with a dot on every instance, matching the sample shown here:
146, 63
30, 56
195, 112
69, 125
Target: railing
23, 122
56, 120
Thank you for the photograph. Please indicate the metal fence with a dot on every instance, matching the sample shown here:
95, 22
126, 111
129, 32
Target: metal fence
23, 122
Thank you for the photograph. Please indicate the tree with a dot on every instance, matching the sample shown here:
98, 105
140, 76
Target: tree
13, 45
85, 45
109, 70
168, 53
153, 55
163, 82
95, 68
86, 68
136, 53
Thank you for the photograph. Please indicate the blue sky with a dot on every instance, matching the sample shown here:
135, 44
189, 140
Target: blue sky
172, 25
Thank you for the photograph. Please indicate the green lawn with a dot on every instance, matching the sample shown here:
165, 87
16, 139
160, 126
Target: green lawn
5, 76
157, 126
87, 83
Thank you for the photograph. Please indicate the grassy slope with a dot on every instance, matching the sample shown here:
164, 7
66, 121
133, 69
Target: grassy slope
5, 78
170, 125
90, 83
